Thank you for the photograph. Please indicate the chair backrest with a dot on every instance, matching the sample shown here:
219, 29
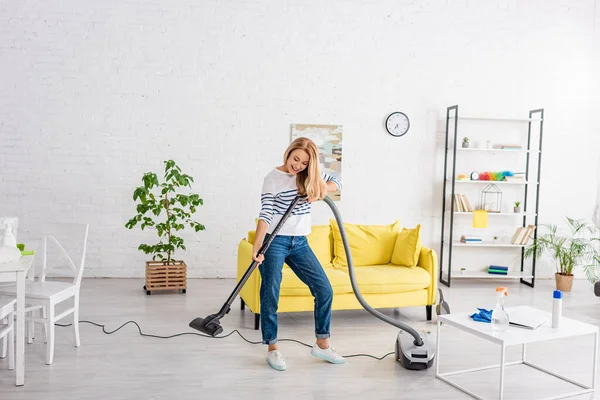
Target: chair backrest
63, 250
3, 227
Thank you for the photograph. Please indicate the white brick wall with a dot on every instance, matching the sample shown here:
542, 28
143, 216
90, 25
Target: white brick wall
94, 94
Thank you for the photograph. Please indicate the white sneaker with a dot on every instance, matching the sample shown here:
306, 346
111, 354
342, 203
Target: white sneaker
276, 360
327, 354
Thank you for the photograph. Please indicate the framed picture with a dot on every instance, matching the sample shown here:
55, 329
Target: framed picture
328, 139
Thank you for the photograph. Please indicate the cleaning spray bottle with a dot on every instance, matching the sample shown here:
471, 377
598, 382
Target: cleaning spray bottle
8, 250
499, 315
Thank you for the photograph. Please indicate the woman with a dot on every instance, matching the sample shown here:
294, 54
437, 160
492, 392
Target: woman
299, 175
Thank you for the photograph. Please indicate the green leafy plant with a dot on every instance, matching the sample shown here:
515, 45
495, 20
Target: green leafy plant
466, 139
571, 249
156, 198
517, 203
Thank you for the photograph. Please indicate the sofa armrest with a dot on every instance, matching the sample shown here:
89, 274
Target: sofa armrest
429, 262
250, 292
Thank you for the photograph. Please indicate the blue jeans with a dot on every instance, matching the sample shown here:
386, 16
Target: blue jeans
295, 252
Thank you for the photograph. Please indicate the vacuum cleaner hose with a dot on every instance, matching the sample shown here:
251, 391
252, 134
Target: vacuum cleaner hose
418, 340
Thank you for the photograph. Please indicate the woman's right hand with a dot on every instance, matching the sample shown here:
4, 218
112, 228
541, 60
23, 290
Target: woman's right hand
258, 258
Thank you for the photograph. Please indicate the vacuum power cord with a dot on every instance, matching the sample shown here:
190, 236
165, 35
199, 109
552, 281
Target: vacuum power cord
206, 336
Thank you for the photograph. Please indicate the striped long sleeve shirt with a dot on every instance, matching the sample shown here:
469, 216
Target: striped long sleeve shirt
278, 191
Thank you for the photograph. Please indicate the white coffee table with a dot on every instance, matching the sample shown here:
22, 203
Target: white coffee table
517, 336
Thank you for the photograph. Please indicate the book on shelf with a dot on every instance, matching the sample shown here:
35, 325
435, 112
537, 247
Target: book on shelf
511, 146
470, 239
498, 270
461, 203
516, 177
523, 234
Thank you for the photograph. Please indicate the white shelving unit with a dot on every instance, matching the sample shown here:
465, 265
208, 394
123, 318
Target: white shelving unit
525, 127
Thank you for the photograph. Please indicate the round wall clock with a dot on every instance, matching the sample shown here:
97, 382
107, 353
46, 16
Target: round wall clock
397, 124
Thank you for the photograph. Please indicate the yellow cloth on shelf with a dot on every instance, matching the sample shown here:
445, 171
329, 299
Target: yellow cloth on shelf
480, 219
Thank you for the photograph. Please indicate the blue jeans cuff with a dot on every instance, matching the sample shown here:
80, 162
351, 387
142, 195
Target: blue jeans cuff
272, 341
322, 335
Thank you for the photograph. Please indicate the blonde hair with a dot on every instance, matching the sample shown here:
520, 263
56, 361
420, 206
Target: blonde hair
309, 181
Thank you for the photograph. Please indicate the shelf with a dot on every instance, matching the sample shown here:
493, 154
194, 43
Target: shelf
492, 145
486, 275
487, 244
496, 182
496, 150
498, 119
499, 214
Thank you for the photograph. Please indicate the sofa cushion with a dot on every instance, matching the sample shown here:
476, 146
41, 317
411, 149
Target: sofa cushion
369, 244
321, 242
408, 247
390, 279
291, 285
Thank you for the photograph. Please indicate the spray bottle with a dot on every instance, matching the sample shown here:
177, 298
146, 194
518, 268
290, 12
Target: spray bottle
9, 251
9, 239
500, 320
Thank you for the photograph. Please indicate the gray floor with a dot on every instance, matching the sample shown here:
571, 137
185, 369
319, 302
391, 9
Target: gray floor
125, 365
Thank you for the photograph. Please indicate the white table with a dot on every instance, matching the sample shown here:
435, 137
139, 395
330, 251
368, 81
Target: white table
11, 272
517, 336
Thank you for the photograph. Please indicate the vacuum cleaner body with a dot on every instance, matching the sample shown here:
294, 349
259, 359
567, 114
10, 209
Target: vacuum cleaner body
412, 356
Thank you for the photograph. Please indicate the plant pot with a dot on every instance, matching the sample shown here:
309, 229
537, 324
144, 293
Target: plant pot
465, 145
163, 276
564, 282
517, 209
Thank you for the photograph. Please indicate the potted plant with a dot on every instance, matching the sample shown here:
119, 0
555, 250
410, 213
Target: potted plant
161, 206
465, 142
517, 208
569, 250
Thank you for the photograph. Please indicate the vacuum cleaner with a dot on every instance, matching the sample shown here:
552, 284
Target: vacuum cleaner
413, 351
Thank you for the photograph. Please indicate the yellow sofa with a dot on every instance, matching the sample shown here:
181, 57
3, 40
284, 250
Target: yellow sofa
393, 269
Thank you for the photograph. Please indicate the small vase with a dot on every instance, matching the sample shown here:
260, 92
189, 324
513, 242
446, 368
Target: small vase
564, 283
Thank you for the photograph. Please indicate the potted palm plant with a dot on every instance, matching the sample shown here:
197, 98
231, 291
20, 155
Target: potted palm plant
162, 207
575, 248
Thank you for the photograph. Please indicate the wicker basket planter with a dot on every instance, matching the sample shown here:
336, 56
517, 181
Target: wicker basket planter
163, 276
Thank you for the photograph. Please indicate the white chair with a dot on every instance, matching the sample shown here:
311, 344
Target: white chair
15, 231
7, 332
60, 242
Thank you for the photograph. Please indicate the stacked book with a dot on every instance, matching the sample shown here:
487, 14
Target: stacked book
511, 146
523, 234
497, 270
516, 177
470, 239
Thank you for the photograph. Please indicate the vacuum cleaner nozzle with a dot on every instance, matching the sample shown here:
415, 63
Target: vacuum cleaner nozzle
209, 325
